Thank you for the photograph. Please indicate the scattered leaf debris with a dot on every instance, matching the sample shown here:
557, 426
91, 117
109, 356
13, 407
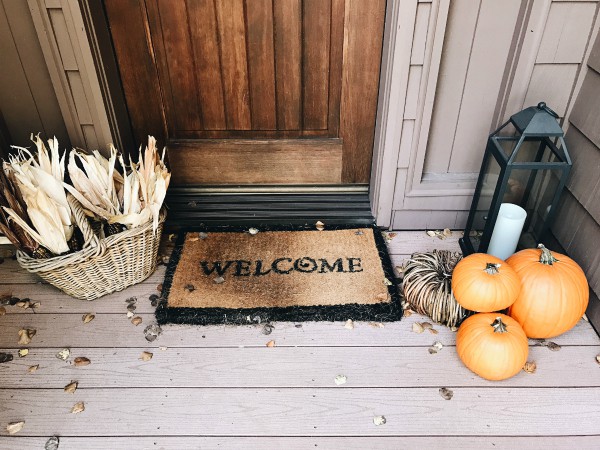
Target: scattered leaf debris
440, 234
71, 387
598, 359
253, 231
530, 367
417, 328
87, 318
376, 324
435, 348
33, 369
271, 343
164, 349
130, 314
447, 232
136, 320
23, 352
320, 225
6, 357
426, 325
267, 329
77, 408
387, 282
64, 354
552, 346
446, 393
431, 233
15, 427
219, 280
52, 443
408, 312
25, 336
349, 325
433, 331
152, 331
383, 296
2, 310
379, 420
159, 287
81, 361
190, 287
340, 379
146, 356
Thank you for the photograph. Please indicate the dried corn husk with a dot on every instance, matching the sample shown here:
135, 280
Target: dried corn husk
427, 286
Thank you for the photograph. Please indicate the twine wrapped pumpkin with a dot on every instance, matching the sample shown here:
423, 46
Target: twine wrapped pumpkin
427, 286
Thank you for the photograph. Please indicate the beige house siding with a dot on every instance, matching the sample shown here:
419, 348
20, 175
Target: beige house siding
28, 102
496, 58
578, 222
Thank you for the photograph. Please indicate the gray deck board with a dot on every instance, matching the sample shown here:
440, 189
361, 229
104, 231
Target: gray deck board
220, 386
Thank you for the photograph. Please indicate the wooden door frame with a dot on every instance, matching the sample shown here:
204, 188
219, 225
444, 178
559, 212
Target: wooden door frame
393, 74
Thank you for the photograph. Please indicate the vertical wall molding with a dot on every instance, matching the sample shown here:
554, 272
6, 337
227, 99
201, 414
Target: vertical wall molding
61, 32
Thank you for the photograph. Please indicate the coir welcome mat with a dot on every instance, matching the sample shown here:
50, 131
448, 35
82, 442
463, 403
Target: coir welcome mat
239, 277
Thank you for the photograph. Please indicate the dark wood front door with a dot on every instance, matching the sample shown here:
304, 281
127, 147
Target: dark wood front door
253, 91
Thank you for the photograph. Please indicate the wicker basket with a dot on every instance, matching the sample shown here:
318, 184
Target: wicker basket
103, 265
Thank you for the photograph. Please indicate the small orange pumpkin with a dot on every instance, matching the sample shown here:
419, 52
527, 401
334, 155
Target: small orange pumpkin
492, 345
484, 283
554, 293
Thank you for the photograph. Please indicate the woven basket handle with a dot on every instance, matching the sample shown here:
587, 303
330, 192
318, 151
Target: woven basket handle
89, 237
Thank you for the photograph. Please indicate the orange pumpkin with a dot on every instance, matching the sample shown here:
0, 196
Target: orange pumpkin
484, 283
492, 345
554, 293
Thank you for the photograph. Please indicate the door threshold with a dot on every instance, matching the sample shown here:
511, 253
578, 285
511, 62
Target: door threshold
190, 207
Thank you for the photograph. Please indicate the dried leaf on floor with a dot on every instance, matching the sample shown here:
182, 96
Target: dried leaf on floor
159, 287
553, 346
435, 348
136, 320
81, 361
87, 318
2, 310
530, 367
433, 331
454, 329
130, 314
349, 325
71, 387
6, 357
379, 420
25, 336
383, 296
271, 343
25, 303
190, 287
320, 225
33, 369
408, 312
77, 408
64, 354
447, 232
387, 282
219, 280
253, 231
598, 359
152, 331
340, 379
146, 356
15, 427
52, 443
267, 329
131, 307
35, 305
376, 324
426, 325
417, 328
23, 352
446, 393
431, 233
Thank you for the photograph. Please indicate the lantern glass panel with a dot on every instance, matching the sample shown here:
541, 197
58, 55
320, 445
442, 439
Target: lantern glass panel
491, 171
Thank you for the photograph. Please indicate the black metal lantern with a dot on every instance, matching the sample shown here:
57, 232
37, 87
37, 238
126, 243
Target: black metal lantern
526, 163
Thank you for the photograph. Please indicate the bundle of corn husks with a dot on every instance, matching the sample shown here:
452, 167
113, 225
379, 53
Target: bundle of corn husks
35, 215
131, 197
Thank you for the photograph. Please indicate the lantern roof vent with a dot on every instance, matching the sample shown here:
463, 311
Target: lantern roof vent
537, 121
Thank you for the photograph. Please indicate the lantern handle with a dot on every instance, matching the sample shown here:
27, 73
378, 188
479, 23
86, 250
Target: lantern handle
542, 106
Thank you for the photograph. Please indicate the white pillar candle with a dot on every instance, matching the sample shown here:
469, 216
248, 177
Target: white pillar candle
507, 230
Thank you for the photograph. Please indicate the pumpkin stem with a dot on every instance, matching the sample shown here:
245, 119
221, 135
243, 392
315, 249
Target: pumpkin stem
546, 257
499, 326
492, 268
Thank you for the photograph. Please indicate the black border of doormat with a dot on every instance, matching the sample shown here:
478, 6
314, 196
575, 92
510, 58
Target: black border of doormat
388, 312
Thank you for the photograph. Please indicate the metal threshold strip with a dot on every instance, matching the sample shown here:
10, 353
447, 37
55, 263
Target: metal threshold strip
197, 206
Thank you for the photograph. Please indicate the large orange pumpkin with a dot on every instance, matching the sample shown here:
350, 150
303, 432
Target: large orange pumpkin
554, 292
484, 283
492, 345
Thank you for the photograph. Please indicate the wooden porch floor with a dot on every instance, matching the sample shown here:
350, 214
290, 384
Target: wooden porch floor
220, 386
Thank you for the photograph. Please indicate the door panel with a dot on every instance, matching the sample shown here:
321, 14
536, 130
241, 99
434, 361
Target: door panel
235, 70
